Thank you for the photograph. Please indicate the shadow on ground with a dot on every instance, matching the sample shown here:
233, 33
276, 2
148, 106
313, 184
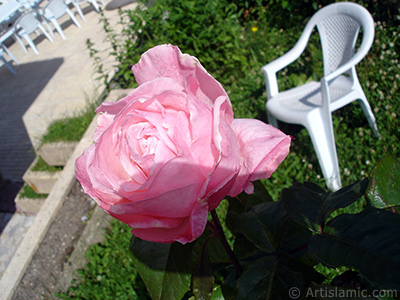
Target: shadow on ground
16, 151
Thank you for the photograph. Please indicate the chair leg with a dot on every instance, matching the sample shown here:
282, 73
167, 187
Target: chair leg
20, 42
58, 28
79, 10
322, 137
31, 44
96, 6
7, 64
369, 115
45, 33
272, 120
9, 54
50, 30
71, 15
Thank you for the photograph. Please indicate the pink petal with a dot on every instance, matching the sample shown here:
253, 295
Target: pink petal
167, 61
188, 230
176, 203
175, 174
108, 110
202, 148
262, 149
102, 194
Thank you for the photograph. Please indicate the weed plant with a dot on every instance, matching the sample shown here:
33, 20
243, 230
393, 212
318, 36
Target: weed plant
233, 40
69, 129
73, 125
28, 192
42, 166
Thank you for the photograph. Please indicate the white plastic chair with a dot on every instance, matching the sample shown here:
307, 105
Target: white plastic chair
27, 24
312, 104
3, 49
54, 10
77, 4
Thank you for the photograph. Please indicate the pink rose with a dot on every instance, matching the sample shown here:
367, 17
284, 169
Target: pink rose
170, 151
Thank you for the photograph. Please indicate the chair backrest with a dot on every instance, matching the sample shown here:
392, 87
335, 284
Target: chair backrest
28, 4
339, 25
28, 22
57, 8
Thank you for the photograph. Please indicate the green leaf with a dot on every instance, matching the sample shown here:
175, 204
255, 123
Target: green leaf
310, 205
368, 241
268, 278
217, 294
166, 269
384, 189
263, 225
127, 75
250, 226
244, 202
296, 239
242, 248
203, 276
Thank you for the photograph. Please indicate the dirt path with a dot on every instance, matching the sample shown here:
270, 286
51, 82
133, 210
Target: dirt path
41, 279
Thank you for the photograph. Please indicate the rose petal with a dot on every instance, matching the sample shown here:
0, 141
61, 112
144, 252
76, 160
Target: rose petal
97, 190
174, 174
183, 198
262, 149
202, 147
190, 228
167, 61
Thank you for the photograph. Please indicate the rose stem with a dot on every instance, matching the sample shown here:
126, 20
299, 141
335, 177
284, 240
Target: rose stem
222, 238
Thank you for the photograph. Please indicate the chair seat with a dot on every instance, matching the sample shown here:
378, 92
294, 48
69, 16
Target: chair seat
292, 105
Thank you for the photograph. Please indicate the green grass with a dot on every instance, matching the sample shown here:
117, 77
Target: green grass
41, 166
73, 126
69, 129
28, 192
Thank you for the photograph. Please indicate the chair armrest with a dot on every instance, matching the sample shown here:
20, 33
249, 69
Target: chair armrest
273, 67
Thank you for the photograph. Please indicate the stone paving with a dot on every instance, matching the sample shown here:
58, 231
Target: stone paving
12, 236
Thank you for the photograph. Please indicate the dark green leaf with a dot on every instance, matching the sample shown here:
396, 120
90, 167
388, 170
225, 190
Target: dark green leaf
274, 222
216, 252
268, 278
244, 202
310, 205
242, 248
303, 203
368, 241
296, 240
250, 226
344, 197
203, 276
263, 225
217, 294
307, 270
384, 189
165, 268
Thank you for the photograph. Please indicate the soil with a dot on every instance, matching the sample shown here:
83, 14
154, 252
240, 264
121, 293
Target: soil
42, 275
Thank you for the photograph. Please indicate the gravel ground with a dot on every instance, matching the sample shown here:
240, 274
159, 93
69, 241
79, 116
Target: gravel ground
41, 279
